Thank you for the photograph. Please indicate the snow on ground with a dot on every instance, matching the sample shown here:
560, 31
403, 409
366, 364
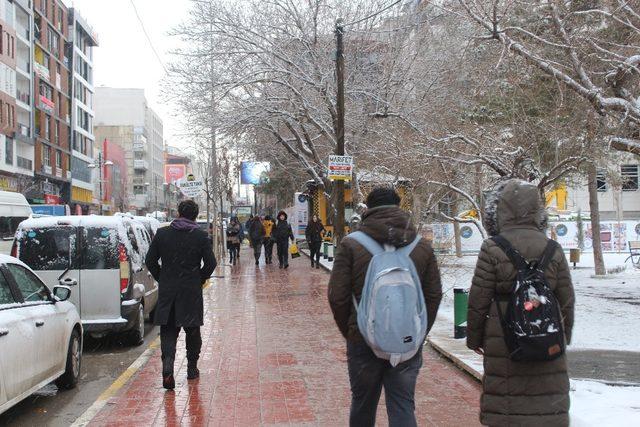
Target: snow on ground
596, 404
607, 313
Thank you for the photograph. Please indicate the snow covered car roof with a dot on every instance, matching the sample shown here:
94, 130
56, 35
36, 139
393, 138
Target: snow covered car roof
6, 259
75, 220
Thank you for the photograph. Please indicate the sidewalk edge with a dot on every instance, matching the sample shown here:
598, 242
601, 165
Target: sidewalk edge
88, 415
455, 359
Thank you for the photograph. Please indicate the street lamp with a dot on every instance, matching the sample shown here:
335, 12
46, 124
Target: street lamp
100, 163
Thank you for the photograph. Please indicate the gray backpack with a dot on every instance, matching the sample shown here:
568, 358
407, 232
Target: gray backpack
392, 316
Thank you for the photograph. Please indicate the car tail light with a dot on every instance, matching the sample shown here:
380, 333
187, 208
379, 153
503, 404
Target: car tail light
14, 249
123, 258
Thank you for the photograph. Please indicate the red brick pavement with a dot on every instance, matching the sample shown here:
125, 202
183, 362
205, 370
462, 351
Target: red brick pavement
273, 356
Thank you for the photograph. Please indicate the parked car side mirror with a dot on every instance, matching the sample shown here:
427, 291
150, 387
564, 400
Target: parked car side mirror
62, 293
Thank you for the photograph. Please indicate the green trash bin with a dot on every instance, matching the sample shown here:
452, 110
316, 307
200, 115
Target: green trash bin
325, 250
460, 302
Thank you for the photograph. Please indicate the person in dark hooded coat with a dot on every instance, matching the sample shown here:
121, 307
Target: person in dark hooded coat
517, 393
187, 262
282, 233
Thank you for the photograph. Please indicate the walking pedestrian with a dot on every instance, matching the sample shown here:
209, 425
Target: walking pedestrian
187, 262
282, 234
233, 240
520, 392
256, 235
241, 237
386, 224
268, 238
314, 234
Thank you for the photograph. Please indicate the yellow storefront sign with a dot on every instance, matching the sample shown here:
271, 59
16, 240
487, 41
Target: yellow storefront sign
81, 195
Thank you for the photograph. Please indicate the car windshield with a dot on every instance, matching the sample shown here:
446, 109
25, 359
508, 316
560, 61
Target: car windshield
48, 248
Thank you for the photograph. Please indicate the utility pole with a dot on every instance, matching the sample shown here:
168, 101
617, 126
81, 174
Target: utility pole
339, 221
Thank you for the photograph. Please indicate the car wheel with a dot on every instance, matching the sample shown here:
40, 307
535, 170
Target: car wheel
136, 335
69, 379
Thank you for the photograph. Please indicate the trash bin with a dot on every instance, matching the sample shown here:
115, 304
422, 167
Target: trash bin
325, 250
460, 301
574, 257
331, 251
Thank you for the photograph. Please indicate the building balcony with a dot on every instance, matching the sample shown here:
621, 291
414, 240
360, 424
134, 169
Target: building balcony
139, 147
41, 70
141, 165
23, 96
47, 169
23, 32
23, 134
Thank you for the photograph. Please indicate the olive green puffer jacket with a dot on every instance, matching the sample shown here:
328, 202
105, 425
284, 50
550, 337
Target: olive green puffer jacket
517, 393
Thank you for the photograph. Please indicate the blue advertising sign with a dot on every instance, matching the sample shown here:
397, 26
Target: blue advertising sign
252, 173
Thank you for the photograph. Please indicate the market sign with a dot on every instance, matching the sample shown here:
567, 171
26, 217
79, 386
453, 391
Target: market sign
340, 168
190, 186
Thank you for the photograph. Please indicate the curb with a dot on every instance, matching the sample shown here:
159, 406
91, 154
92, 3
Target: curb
456, 360
88, 415
307, 254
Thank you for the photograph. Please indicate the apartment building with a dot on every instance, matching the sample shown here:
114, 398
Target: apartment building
80, 52
124, 117
52, 118
16, 143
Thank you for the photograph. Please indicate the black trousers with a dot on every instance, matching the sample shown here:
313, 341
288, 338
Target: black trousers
268, 249
314, 247
283, 252
257, 248
169, 340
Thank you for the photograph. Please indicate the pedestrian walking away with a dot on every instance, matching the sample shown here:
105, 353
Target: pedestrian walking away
282, 234
521, 387
181, 260
384, 223
314, 234
268, 238
233, 240
256, 235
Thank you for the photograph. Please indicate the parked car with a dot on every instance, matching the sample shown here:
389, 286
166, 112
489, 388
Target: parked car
150, 224
103, 258
40, 334
14, 209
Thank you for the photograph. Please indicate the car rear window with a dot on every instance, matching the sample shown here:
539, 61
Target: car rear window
101, 249
49, 248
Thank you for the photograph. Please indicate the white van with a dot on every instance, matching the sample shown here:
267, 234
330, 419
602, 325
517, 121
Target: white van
14, 209
102, 259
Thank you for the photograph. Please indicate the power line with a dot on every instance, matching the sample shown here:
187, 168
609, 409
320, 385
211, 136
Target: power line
144, 30
373, 15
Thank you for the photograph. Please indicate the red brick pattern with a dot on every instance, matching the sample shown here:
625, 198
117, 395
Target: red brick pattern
273, 356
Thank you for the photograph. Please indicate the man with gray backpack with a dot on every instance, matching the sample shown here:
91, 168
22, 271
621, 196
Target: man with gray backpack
384, 292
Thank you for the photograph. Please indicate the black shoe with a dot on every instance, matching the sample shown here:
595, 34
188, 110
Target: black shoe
257, 262
280, 266
193, 373
286, 266
318, 265
168, 382
313, 264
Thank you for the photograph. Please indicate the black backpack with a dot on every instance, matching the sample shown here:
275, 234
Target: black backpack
532, 324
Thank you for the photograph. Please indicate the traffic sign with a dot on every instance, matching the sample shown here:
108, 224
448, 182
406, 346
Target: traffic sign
190, 186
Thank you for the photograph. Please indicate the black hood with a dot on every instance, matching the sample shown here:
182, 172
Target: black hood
286, 217
388, 224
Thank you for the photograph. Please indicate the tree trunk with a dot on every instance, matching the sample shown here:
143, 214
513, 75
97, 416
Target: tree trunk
456, 233
598, 259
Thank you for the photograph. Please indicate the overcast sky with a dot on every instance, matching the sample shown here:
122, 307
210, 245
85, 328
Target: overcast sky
124, 57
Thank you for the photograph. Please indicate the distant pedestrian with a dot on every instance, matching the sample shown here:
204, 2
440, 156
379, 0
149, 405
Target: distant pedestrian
181, 260
233, 240
282, 234
256, 235
314, 234
520, 387
268, 241
385, 224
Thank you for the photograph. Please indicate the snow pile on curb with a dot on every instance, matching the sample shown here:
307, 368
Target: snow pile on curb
596, 404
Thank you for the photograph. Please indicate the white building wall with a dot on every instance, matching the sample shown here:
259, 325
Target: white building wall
119, 106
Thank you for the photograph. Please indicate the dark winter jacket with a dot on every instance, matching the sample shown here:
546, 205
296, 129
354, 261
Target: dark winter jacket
313, 232
256, 229
233, 232
187, 262
517, 393
386, 224
283, 230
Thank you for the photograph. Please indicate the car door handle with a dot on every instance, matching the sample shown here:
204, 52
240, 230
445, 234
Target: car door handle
39, 323
4, 333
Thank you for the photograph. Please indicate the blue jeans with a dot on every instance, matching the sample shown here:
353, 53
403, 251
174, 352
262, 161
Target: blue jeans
367, 375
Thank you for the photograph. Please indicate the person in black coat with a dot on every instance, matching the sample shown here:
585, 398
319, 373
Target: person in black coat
314, 233
282, 234
187, 262
256, 235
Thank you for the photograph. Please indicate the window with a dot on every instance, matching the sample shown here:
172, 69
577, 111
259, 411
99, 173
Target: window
101, 249
48, 248
53, 42
8, 149
46, 156
47, 127
57, 134
5, 292
629, 174
601, 179
46, 90
59, 159
32, 289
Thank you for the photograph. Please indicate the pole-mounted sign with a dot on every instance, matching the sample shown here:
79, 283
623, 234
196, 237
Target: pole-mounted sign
190, 186
340, 167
